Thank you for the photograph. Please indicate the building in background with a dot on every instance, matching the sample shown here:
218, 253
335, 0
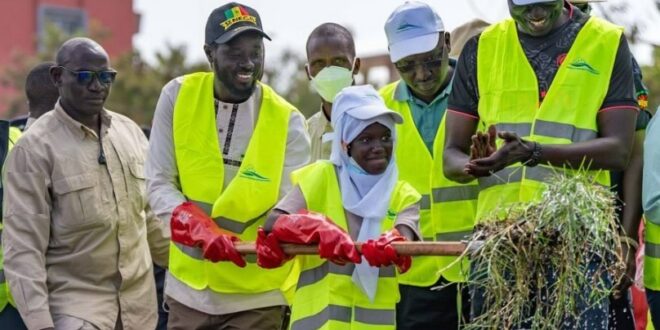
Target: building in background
24, 24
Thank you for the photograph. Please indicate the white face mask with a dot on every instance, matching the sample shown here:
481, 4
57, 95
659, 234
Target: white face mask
331, 80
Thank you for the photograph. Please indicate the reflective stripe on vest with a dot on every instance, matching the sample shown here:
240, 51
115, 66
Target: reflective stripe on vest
325, 318
447, 207
508, 99
326, 297
5, 294
556, 130
313, 275
241, 206
651, 255
234, 226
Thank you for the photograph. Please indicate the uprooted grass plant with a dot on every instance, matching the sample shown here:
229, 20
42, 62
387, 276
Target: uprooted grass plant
539, 264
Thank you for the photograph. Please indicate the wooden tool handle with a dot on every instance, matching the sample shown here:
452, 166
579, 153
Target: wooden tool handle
402, 248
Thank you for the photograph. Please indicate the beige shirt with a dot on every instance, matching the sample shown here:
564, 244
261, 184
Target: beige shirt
320, 133
76, 238
235, 124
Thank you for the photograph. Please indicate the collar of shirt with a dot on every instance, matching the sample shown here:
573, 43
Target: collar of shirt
324, 120
327, 119
253, 102
402, 92
326, 133
76, 126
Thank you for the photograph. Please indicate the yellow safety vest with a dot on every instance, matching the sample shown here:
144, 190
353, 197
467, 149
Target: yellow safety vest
509, 99
5, 294
242, 206
651, 255
326, 297
447, 208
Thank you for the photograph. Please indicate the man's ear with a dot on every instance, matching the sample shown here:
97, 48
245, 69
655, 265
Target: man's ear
356, 66
55, 75
210, 53
448, 41
309, 75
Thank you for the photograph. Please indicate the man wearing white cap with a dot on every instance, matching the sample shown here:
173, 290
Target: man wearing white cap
419, 48
558, 86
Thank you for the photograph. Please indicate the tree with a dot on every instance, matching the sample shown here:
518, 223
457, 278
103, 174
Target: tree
652, 80
287, 76
138, 84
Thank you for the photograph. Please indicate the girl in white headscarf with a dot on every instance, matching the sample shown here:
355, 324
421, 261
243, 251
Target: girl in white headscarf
355, 197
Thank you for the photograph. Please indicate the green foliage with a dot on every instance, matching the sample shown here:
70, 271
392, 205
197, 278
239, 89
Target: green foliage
138, 85
50, 41
535, 261
652, 79
287, 76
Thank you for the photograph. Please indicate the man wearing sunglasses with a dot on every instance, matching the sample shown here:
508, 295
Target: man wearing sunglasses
419, 47
221, 150
558, 86
78, 235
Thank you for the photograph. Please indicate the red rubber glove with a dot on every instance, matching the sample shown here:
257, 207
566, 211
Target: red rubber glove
381, 253
308, 228
269, 252
192, 227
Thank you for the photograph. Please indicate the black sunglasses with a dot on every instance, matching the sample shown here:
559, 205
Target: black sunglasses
85, 77
431, 64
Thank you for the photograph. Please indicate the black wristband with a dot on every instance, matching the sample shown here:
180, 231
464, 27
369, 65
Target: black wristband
535, 157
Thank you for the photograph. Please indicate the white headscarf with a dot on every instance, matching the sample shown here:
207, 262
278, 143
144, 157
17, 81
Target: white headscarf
363, 194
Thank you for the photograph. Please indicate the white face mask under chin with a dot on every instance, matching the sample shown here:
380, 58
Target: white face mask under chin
331, 80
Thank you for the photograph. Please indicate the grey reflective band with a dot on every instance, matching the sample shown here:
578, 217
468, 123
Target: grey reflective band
425, 202
449, 194
456, 236
540, 173
198, 254
454, 194
316, 274
521, 129
316, 321
193, 252
651, 249
343, 314
550, 129
514, 174
563, 131
313, 275
375, 316
206, 207
234, 226
503, 176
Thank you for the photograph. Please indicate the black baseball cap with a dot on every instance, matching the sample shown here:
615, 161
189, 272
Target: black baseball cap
230, 20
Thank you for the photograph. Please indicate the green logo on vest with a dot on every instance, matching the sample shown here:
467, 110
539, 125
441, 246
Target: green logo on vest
391, 214
581, 64
251, 173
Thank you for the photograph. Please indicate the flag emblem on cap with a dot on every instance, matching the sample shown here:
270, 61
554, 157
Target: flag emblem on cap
235, 15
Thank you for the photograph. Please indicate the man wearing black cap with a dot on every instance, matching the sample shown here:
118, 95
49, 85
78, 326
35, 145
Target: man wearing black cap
558, 86
221, 150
